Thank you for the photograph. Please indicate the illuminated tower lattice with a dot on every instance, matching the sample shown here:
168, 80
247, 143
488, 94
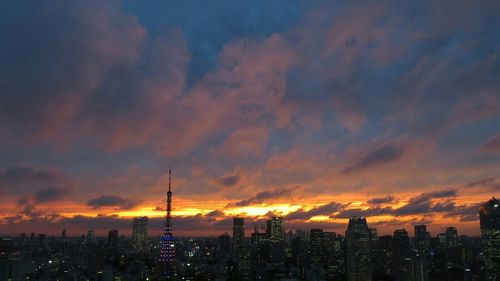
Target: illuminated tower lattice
167, 251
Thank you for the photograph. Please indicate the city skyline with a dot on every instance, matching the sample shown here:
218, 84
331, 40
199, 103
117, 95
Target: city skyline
313, 111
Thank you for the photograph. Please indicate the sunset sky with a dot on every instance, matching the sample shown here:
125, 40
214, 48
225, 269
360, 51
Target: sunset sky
312, 110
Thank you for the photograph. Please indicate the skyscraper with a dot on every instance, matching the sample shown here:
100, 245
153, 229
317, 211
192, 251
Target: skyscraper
277, 229
402, 267
113, 238
238, 235
140, 233
422, 240
167, 251
422, 253
358, 250
317, 246
489, 217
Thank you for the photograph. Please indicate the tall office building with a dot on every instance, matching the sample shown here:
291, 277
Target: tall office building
489, 217
63, 234
113, 238
422, 252
402, 267
358, 242
317, 246
167, 250
451, 237
422, 240
238, 235
90, 236
224, 244
277, 229
140, 233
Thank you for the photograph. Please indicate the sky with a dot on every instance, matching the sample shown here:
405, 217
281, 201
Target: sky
315, 111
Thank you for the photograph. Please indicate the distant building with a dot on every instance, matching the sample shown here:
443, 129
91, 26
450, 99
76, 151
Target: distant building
238, 235
422, 253
224, 244
113, 238
358, 250
451, 237
90, 236
63, 234
489, 217
402, 267
277, 229
422, 240
317, 246
140, 233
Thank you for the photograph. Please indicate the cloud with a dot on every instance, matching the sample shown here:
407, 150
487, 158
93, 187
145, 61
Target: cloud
22, 173
376, 211
322, 210
113, 201
381, 200
492, 144
51, 194
245, 142
39, 186
422, 203
484, 185
265, 196
386, 153
228, 181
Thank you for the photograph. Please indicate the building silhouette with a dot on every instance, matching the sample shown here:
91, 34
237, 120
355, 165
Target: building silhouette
113, 238
238, 235
277, 232
402, 267
489, 217
358, 242
140, 233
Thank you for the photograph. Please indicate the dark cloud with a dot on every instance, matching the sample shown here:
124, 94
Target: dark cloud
377, 211
228, 181
323, 210
382, 155
422, 203
266, 195
113, 201
51, 194
492, 144
40, 186
381, 200
484, 185
20, 173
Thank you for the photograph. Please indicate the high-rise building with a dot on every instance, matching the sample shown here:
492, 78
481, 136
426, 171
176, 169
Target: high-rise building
140, 233
113, 238
238, 235
358, 250
224, 244
422, 240
63, 234
451, 237
402, 267
167, 251
489, 217
317, 246
90, 236
422, 253
277, 229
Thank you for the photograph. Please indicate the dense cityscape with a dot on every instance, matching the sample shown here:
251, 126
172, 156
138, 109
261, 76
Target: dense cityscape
271, 253
312, 140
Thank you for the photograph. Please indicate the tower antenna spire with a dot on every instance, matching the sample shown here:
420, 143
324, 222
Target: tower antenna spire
167, 250
170, 179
